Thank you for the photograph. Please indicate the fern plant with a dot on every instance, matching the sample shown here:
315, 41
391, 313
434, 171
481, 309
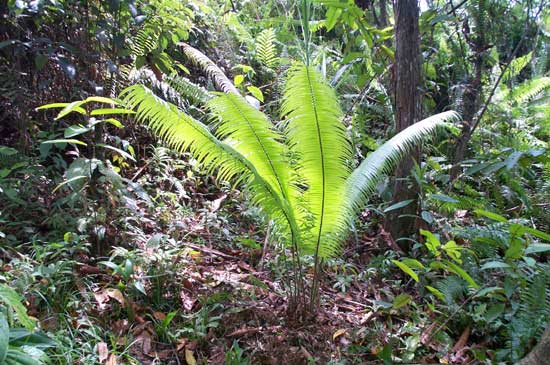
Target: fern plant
266, 52
212, 70
300, 171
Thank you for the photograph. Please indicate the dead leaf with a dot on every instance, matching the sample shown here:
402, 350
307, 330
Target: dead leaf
187, 284
181, 344
338, 333
159, 316
143, 342
165, 354
462, 340
366, 317
190, 358
102, 351
216, 203
120, 327
101, 299
116, 295
427, 334
461, 213
112, 360
187, 302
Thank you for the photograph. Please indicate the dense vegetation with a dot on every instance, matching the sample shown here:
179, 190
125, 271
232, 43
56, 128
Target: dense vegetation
274, 182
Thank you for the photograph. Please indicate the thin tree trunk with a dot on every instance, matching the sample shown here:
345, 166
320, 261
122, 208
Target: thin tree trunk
383, 17
470, 98
407, 100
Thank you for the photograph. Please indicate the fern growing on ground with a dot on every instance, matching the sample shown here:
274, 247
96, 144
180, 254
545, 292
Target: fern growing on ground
300, 172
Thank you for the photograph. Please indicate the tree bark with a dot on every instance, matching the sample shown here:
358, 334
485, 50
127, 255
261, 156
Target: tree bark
383, 13
407, 105
540, 354
470, 97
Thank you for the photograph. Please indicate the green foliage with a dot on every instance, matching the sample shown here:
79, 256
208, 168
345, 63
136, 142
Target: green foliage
245, 144
236, 356
300, 175
20, 346
266, 50
530, 89
10, 298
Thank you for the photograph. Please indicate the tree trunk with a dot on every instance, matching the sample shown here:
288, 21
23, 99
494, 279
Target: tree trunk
473, 88
407, 101
540, 354
470, 106
383, 13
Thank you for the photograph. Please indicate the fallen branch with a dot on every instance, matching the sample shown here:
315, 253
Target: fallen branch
251, 330
211, 251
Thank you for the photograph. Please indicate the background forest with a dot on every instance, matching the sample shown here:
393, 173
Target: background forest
274, 182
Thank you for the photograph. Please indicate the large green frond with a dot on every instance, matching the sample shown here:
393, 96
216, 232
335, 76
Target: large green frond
183, 133
317, 137
180, 131
249, 132
193, 93
173, 88
516, 66
530, 89
364, 178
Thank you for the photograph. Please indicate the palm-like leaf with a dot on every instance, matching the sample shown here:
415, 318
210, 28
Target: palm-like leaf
247, 146
362, 182
301, 177
250, 132
318, 137
183, 133
530, 89
212, 70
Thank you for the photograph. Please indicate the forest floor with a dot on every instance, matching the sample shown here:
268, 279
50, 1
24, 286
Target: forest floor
238, 313
183, 275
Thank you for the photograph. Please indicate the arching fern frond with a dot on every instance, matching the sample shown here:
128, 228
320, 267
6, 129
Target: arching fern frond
516, 66
180, 131
183, 133
175, 89
530, 89
318, 138
145, 42
192, 92
363, 180
212, 70
302, 174
250, 132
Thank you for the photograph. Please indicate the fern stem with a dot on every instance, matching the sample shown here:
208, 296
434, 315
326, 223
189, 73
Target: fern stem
298, 273
314, 285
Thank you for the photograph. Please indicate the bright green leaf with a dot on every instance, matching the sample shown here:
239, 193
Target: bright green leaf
109, 111
490, 215
75, 130
238, 79
401, 300
257, 93
406, 269
13, 300
4, 337
60, 141
398, 205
